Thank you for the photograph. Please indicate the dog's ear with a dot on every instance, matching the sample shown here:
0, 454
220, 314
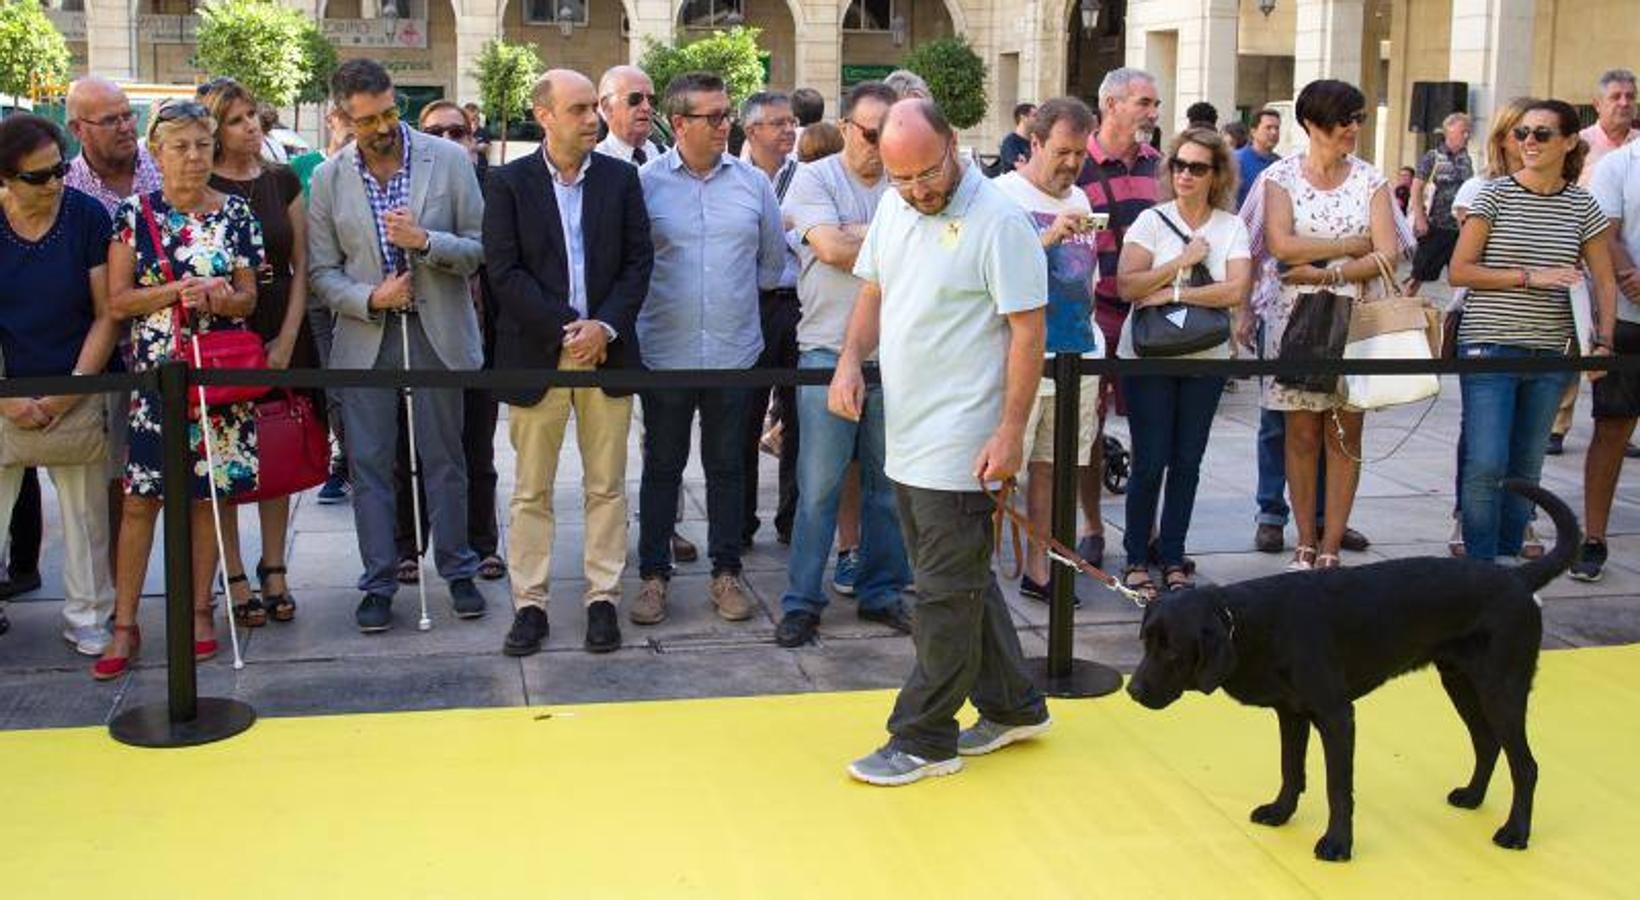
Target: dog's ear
1216, 657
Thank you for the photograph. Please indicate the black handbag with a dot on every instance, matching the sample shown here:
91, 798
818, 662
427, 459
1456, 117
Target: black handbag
1318, 329
1180, 329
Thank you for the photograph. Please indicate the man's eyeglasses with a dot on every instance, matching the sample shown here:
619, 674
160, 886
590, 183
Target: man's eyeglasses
635, 99
115, 120
927, 177
870, 134
1198, 169
1542, 133
787, 122
387, 118
41, 177
453, 132
712, 119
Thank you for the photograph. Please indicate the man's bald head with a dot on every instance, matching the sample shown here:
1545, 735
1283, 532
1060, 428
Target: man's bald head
918, 150
99, 117
556, 82
90, 91
618, 79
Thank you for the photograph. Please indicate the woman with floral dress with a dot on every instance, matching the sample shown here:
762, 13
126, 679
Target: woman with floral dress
198, 277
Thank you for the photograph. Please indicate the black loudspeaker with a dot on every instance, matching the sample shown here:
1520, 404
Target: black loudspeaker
1433, 101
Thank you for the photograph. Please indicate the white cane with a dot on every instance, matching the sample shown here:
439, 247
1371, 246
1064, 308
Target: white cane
426, 623
216, 506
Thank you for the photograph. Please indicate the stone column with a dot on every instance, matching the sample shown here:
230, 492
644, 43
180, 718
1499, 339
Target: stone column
1492, 52
819, 34
1328, 41
1191, 48
652, 18
109, 48
477, 23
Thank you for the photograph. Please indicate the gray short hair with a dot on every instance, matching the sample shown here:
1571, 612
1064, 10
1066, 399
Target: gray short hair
1454, 118
1118, 81
751, 111
907, 83
1615, 76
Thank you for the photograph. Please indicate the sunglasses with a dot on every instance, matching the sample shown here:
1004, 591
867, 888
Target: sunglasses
387, 117
1198, 169
870, 134
1354, 118
637, 98
42, 177
453, 132
171, 111
1542, 133
713, 120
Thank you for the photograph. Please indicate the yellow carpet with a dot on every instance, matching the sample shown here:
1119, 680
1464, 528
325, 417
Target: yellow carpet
748, 798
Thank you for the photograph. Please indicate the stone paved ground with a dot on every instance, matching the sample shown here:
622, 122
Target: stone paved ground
321, 664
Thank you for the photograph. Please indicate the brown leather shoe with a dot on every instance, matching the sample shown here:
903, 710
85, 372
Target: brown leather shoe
1354, 541
1269, 538
650, 607
729, 596
683, 550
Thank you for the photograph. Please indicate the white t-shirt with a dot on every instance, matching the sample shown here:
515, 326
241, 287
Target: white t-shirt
1616, 187
948, 280
1226, 238
1461, 202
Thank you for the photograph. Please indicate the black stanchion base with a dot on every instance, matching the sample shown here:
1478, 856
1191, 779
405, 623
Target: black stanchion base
151, 726
1085, 679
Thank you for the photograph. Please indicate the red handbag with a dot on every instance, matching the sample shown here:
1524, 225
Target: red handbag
238, 348
293, 447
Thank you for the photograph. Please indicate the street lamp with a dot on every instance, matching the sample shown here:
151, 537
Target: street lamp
390, 15
566, 20
897, 30
1090, 16
1266, 7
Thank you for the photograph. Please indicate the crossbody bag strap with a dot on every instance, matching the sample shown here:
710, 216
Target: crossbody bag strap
178, 318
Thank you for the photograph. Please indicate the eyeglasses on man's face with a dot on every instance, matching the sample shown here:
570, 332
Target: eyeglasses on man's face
387, 118
112, 120
635, 99
926, 177
712, 119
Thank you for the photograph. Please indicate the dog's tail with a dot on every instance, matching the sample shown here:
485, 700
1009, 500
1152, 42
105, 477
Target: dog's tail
1568, 536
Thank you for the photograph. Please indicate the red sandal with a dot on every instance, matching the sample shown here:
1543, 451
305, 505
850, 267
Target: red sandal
109, 668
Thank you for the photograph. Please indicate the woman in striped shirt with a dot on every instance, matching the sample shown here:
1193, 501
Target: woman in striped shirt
1519, 253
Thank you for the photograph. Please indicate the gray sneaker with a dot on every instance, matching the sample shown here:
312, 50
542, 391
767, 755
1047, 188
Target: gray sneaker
987, 736
889, 767
88, 640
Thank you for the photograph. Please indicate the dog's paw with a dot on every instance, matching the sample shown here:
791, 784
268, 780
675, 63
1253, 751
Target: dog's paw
1331, 849
1512, 836
1273, 814
1466, 797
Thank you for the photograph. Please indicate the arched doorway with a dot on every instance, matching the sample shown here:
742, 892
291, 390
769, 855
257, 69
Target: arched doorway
878, 33
774, 18
1092, 52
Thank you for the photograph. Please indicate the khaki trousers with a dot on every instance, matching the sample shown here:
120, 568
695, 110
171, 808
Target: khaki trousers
537, 433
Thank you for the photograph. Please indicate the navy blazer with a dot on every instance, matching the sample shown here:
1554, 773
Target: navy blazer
524, 251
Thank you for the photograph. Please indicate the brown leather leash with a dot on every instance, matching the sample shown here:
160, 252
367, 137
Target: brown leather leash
1005, 512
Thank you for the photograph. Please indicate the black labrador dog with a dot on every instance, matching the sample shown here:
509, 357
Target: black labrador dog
1308, 644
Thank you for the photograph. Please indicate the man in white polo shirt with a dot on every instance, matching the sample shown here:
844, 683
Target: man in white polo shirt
1616, 187
953, 303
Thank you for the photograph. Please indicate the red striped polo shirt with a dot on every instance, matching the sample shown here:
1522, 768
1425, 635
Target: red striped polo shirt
1137, 189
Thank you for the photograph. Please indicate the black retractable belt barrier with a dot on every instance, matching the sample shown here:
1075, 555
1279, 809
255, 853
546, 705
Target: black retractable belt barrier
1060, 673
186, 719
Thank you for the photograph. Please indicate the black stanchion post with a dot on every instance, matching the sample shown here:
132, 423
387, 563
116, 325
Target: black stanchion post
186, 719
1061, 674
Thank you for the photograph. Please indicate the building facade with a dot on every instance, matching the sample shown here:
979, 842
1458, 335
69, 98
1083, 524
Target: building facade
1237, 54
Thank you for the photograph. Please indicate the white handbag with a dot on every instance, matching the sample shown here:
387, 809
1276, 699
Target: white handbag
1395, 327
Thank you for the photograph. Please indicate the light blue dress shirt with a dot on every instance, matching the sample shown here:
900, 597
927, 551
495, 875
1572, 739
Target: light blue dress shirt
569, 216
718, 242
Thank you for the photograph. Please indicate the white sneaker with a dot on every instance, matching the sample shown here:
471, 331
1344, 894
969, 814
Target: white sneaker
88, 640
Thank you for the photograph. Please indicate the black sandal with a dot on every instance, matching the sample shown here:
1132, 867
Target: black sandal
281, 607
1137, 578
251, 613
1177, 578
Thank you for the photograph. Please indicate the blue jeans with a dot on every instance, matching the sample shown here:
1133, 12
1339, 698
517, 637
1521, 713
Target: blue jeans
1169, 419
829, 444
1272, 468
1506, 422
668, 417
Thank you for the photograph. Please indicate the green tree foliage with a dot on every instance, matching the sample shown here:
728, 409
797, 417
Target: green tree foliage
33, 53
321, 64
731, 54
506, 74
258, 43
955, 76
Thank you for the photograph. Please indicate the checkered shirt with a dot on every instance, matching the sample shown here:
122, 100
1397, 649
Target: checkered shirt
395, 196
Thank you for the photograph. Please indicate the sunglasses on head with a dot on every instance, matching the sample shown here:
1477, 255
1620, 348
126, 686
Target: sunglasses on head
41, 177
453, 132
870, 134
637, 98
181, 109
1542, 133
1199, 169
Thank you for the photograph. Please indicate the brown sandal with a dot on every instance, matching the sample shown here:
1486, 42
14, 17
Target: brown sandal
1137, 578
1177, 578
1328, 561
1303, 559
